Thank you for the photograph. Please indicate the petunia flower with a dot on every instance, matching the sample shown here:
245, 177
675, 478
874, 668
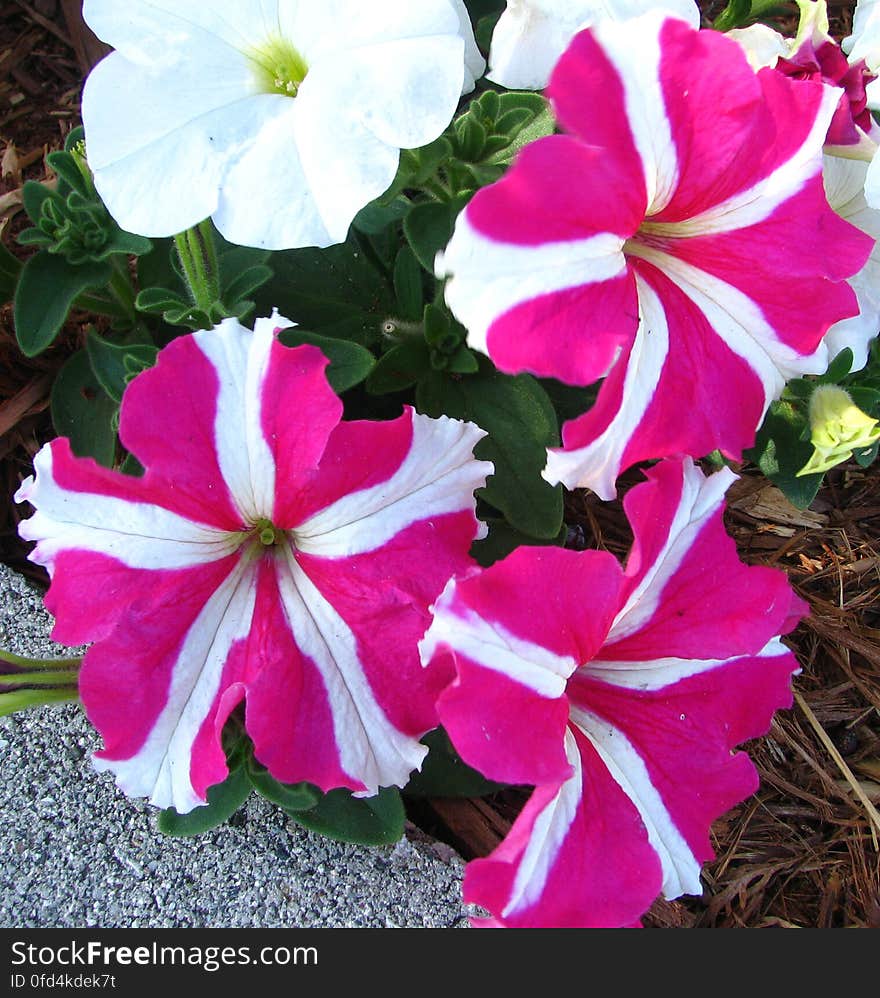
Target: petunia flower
270, 554
280, 119
838, 428
620, 696
676, 242
532, 34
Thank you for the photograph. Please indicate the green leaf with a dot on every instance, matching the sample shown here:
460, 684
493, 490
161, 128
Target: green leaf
375, 217
338, 292
502, 539
781, 451
865, 457
63, 164
521, 424
33, 194
838, 369
444, 774
156, 270
158, 300
408, 284
735, 15
224, 799
373, 821
569, 401
400, 368
290, 796
82, 411
246, 283
47, 288
350, 363
463, 361
127, 243
113, 363
428, 227
542, 124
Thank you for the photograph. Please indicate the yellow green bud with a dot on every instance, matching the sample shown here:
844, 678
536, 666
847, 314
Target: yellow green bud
838, 428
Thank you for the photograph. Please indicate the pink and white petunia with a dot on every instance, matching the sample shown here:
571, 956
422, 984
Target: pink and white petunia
271, 553
531, 35
620, 696
675, 242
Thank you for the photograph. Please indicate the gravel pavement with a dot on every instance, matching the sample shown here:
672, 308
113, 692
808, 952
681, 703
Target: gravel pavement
78, 853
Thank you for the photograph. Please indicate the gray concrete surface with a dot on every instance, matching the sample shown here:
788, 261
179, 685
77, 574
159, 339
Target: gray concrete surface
77, 853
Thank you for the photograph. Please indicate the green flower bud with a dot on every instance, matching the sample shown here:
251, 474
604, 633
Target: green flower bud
838, 427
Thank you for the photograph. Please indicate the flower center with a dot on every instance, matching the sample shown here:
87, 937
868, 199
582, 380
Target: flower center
278, 67
267, 532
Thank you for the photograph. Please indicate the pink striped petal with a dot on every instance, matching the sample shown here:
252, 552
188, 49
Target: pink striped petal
666, 730
724, 168
687, 594
516, 640
653, 702
562, 866
290, 565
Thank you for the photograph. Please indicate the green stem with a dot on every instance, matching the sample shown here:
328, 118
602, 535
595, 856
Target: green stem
57, 678
39, 663
198, 256
20, 699
120, 285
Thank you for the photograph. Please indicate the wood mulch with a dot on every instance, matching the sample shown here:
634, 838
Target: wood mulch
804, 851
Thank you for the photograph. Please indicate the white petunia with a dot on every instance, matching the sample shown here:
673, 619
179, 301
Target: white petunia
279, 119
531, 35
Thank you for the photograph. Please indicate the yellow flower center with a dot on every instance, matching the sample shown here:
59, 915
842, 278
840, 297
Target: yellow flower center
278, 67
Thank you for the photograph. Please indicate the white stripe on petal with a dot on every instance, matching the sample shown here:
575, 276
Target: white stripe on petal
438, 476
636, 55
548, 834
488, 278
681, 869
758, 202
492, 646
701, 497
161, 768
739, 322
139, 535
662, 672
597, 465
370, 748
240, 358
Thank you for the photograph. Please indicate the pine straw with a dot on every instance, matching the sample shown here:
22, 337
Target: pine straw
802, 851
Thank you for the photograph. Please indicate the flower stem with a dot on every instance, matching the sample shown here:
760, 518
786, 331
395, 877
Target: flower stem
42, 678
20, 699
67, 664
120, 285
198, 256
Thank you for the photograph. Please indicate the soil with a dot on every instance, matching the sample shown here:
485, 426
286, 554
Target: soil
804, 851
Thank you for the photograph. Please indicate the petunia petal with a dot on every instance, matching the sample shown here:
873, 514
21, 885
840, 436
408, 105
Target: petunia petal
577, 856
687, 594
516, 640
161, 724
666, 730
425, 469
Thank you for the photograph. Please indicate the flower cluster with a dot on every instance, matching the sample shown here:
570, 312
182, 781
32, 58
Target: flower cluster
657, 235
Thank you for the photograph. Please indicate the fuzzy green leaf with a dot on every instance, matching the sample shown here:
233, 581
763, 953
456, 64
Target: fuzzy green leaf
375, 820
